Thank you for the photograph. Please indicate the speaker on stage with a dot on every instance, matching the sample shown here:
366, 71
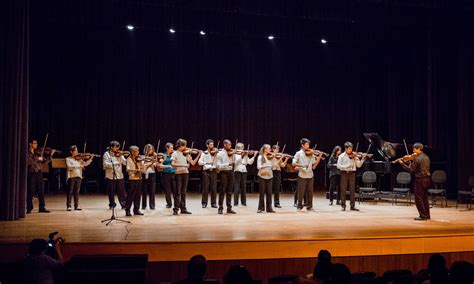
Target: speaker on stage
119, 268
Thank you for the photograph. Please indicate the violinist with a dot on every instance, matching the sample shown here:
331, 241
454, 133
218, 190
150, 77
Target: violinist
167, 174
347, 163
277, 164
305, 161
265, 175
180, 160
112, 162
209, 174
225, 164
75, 166
149, 179
36, 160
420, 166
135, 169
240, 173
334, 176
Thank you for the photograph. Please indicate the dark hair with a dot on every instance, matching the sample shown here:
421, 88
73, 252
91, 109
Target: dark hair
275, 147
322, 269
348, 144
72, 148
304, 141
237, 274
340, 274
169, 144
227, 141
181, 142
197, 267
418, 145
37, 246
462, 272
114, 143
209, 141
335, 150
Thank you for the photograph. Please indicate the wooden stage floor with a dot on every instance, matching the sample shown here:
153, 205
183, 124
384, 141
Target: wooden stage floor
378, 229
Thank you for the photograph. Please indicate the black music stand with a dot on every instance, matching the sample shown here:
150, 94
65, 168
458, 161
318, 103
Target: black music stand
58, 164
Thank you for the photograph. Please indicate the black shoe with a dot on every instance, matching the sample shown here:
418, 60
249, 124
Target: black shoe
69, 208
330, 203
168, 206
295, 205
260, 211
277, 205
243, 204
204, 205
310, 209
299, 209
271, 211
152, 208
230, 211
175, 212
186, 212
138, 213
343, 207
220, 211
421, 219
354, 209
43, 210
213, 205
338, 202
128, 214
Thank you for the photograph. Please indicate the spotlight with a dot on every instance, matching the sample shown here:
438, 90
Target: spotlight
130, 27
172, 31
270, 37
202, 33
324, 41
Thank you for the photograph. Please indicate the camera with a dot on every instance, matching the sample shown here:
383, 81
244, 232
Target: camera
51, 242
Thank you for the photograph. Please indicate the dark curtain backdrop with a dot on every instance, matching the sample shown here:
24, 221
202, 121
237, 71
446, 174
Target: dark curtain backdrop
14, 45
404, 72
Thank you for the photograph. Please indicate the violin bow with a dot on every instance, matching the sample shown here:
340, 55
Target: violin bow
357, 147
158, 146
406, 148
282, 152
44, 145
123, 145
85, 143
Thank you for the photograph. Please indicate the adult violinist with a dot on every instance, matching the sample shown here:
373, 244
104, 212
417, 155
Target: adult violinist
112, 162
347, 163
334, 176
135, 169
305, 161
75, 165
225, 165
209, 174
240, 173
277, 164
167, 174
149, 179
420, 166
36, 160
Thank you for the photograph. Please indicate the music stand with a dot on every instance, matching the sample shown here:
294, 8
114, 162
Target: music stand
58, 164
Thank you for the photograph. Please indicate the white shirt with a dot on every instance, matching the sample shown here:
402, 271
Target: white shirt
346, 164
306, 163
110, 162
264, 166
131, 167
207, 161
240, 164
224, 163
74, 167
179, 158
150, 170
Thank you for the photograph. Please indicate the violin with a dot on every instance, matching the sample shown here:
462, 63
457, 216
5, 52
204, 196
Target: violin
359, 155
46, 151
121, 153
190, 151
214, 151
85, 156
316, 153
406, 158
246, 152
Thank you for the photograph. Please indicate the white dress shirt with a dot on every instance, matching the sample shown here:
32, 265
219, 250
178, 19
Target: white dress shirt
207, 161
240, 164
224, 163
74, 167
110, 162
346, 164
179, 158
305, 163
264, 166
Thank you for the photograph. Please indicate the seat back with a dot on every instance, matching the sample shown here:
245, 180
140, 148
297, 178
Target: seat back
403, 178
439, 177
369, 178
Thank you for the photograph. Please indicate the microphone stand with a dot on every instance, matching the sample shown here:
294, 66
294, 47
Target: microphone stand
114, 178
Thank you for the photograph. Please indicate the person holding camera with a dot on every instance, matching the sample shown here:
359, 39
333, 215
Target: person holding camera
44, 258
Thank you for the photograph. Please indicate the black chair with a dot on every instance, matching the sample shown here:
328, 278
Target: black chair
369, 179
439, 181
403, 180
283, 279
466, 195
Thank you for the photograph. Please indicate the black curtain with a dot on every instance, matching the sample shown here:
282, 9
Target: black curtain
404, 72
14, 85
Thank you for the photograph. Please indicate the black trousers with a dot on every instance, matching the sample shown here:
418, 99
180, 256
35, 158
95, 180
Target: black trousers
225, 189
74, 186
348, 180
305, 189
169, 185
276, 186
265, 191
116, 186
421, 196
209, 183
179, 195
35, 185
240, 188
149, 189
133, 195
334, 182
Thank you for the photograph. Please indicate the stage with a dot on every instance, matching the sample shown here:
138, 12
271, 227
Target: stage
378, 229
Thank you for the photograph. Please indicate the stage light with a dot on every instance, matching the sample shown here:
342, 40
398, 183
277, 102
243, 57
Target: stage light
172, 31
270, 37
130, 27
324, 41
202, 33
